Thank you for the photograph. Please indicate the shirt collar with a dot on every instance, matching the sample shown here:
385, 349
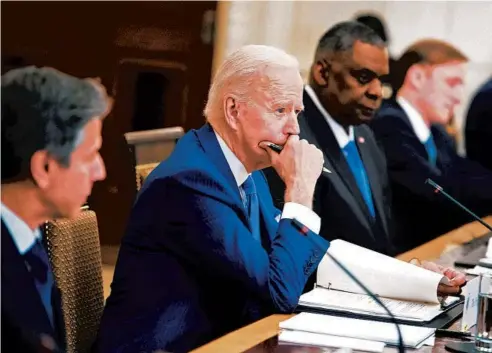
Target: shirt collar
23, 237
340, 134
237, 168
419, 127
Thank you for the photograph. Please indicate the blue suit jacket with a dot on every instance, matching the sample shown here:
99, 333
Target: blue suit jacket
189, 269
421, 214
24, 319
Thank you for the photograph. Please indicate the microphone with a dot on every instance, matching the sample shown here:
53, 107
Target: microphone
438, 189
278, 149
401, 347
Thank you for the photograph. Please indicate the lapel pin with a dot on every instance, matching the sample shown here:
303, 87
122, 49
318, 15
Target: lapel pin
361, 139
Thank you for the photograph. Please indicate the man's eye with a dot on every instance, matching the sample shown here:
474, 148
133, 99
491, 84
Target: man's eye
364, 79
298, 111
280, 110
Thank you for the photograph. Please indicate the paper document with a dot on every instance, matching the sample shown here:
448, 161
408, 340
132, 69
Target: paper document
320, 340
385, 332
383, 275
364, 304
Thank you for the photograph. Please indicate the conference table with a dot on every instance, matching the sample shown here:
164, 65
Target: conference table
261, 336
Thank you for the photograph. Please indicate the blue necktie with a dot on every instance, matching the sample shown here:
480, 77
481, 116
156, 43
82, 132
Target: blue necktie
431, 149
250, 201
38, 265
358, 170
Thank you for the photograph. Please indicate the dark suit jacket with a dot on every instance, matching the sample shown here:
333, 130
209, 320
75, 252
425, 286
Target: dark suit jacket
25, 325
478, 129
189, 269
337, 199
421, 214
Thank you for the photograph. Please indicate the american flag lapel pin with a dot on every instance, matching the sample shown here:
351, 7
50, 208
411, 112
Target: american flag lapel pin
361, 139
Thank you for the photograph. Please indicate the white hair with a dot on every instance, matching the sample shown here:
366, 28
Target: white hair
237, 73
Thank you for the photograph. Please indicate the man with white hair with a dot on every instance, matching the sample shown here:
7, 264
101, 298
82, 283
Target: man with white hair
206, 251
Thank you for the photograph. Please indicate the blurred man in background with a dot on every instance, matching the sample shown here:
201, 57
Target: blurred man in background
51, 135
411, 132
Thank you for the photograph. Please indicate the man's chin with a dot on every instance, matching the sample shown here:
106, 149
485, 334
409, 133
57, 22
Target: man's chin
363, 119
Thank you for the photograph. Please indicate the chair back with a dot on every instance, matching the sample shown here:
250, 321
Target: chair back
75, 254
150, 147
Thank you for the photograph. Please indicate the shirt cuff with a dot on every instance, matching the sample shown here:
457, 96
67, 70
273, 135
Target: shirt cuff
303, 214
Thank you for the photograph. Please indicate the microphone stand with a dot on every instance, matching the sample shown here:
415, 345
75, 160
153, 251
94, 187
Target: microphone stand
467, 347
438, 189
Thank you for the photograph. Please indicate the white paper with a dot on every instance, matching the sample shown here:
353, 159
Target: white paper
383, 275
488, 253
355, 328
477, 270
363, 304
470, 308
320, 340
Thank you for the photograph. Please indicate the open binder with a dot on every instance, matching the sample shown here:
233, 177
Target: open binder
409, 292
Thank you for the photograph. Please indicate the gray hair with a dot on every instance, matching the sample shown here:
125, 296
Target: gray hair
237, 73
45, 109
342, 36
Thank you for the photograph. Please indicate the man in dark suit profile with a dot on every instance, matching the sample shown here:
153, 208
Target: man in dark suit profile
343, 92
411, 132
205, 251
51, 134
478, 126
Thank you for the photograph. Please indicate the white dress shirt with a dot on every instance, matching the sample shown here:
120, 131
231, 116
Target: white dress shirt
291, 209
342, 137
23, 236
419, 127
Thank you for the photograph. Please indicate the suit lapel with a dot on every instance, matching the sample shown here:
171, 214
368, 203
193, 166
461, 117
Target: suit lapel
332, 152
19, 294
209, 142
372, 175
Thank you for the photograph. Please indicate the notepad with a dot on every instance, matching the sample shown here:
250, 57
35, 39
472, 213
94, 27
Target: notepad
385, 332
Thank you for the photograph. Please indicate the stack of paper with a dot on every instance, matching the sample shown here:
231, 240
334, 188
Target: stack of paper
383, 332
319, 340
321, 298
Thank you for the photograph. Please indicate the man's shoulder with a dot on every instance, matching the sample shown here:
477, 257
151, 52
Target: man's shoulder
389, 109
390, 118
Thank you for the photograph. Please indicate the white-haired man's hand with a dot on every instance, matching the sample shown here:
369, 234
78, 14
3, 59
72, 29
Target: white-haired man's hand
299, 165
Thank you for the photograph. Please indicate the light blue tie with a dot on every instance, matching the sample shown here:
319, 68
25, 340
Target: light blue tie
431, 149
250, 201
358, 170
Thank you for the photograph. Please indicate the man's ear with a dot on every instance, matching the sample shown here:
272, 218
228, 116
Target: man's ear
40, 165
231, 111
321, 71
416, 76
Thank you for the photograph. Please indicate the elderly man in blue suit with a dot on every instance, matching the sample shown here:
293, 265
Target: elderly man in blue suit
206, 252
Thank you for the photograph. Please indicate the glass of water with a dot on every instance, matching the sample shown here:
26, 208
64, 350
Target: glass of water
483, 337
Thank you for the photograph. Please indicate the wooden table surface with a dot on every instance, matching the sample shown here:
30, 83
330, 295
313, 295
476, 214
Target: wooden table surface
261, 336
